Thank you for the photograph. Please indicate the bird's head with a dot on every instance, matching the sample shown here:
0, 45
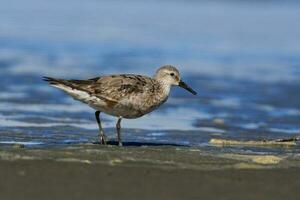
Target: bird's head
169, 75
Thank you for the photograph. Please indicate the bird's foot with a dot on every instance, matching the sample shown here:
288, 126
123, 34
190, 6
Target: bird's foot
103, 140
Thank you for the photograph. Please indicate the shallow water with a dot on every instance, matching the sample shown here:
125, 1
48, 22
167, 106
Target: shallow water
242, 58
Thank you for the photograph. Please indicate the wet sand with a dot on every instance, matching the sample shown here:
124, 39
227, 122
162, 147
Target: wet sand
93, 172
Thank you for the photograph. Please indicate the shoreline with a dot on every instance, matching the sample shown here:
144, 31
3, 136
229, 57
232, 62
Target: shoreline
161, 172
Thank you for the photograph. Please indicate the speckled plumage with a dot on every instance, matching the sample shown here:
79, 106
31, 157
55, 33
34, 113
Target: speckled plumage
123, 95
126, 95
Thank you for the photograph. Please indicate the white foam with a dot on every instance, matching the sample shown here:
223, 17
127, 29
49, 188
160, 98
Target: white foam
9, 122
281, 130
23, 143
211, 130
12, 95
277, 111
250, 126
227, 102
74, 107
156, 134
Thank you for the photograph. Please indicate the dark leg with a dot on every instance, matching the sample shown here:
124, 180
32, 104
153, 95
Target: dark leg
101, 132
119, 131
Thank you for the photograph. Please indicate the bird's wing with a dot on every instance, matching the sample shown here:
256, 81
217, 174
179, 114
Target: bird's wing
111, 88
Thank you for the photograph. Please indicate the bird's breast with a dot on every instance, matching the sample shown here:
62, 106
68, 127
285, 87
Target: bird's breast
138, 105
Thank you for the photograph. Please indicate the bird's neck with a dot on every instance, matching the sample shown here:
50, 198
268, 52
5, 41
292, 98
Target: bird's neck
165, 88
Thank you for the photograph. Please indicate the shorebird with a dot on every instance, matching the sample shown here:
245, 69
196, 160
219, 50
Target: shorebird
123, 95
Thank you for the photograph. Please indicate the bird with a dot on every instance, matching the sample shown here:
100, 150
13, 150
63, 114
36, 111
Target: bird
127, 96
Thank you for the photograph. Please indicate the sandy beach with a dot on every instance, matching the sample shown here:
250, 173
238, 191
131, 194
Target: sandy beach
93, 172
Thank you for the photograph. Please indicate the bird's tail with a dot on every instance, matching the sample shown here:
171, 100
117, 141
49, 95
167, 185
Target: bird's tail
59, 83
53, 81
71, 87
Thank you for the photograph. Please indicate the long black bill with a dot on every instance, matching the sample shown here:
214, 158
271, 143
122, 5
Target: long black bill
188, 88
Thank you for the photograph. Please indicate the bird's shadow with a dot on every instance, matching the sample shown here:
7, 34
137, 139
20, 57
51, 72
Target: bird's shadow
139, 144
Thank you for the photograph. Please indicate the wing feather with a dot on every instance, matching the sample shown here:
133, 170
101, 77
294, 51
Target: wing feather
113, 88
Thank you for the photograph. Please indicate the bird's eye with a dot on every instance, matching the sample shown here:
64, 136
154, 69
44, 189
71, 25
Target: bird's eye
172, 74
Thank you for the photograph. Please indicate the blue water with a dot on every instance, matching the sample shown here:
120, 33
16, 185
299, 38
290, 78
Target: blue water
242, 58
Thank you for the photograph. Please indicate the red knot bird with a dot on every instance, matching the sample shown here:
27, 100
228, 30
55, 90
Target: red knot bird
124, 95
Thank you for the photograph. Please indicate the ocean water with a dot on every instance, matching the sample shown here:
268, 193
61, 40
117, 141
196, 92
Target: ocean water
243, 58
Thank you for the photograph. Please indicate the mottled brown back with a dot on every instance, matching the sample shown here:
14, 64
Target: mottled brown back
112, 88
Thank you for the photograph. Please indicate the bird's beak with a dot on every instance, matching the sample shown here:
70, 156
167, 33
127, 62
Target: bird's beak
188, 88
